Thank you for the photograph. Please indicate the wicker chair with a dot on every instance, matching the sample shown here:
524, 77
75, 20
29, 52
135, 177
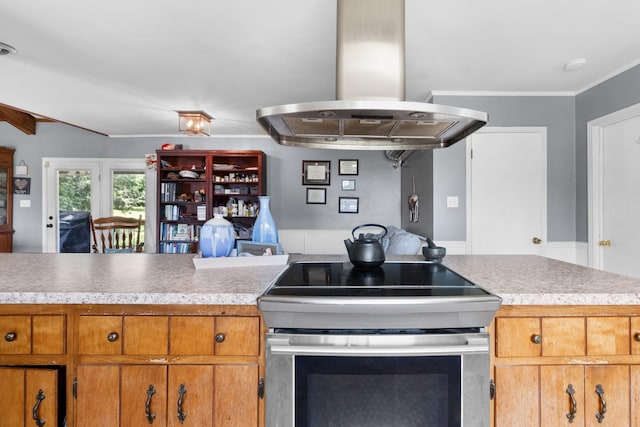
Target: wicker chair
116, 234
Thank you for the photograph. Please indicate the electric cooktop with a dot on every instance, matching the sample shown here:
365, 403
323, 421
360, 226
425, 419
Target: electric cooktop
338, 295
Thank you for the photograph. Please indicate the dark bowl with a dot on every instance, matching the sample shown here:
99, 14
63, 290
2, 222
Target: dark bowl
434, 254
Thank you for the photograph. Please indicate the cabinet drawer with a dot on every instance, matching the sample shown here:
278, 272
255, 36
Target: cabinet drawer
192, 335
100, 335
546, 336
32, 334
608, 336
237, 336
112, 335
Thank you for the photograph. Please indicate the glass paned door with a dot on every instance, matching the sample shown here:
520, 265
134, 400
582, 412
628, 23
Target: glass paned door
128, 192
71, 196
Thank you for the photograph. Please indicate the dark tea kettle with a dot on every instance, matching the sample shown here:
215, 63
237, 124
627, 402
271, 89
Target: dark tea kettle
366, 250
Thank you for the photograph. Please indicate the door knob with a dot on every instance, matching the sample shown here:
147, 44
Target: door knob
605, 243
536, 240
49, 225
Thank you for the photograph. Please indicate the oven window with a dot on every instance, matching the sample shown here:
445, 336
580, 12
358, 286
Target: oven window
377, 391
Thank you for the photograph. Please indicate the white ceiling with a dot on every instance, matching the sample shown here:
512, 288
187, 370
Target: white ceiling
123, 67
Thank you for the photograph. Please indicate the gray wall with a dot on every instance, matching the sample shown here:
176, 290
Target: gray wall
377, 184
449, 170
612, 95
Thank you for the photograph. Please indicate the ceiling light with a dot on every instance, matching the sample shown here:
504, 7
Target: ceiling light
5, 49
574, 64
194, 122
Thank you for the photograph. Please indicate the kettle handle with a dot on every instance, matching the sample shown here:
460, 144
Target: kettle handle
369, 225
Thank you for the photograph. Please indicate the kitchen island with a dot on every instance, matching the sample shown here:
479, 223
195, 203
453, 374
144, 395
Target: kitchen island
112, 325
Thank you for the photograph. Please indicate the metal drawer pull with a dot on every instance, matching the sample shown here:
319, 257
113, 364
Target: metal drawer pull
536, 339
147, 407
10, 336
636, 336
603, 404
574, 406
39, 398
112, 337
220, 338
181, 415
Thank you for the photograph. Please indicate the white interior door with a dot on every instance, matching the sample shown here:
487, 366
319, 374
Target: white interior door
615, 201
507, 191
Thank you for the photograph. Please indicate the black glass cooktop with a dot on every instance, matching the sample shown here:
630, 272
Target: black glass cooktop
399, 279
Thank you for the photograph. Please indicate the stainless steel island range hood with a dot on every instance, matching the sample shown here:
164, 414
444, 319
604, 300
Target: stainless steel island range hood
370, 113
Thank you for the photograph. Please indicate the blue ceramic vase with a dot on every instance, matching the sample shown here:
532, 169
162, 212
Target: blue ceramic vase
217, 237
264, 229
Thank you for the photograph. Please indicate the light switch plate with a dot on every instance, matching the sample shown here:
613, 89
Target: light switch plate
25, 203
452, 201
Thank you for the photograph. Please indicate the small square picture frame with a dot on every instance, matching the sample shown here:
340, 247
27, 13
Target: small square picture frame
348, 167
348, 205
316, 196
316, 172
348, 185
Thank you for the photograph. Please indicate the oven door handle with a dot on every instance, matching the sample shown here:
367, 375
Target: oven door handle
472, 346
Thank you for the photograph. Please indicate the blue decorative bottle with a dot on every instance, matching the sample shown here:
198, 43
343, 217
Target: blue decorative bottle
217, 237
264, 229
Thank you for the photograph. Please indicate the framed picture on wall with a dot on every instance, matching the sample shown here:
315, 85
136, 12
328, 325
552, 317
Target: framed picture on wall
347, 167
348, 204
316, 196
316, 172
348, 185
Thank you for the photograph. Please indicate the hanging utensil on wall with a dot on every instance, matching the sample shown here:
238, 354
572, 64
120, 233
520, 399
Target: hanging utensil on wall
413, 203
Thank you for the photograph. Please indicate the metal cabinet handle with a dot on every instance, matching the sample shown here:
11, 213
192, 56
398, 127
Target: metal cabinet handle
603, 404
220, 338
181, 415
39, 398
147, 406
574, 406
636, 336
536, 339
112, 337
10, 336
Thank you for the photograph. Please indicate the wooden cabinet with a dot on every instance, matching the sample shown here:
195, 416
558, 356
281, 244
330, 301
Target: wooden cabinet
573, 366
6, 199
197, 368
29, 396
193, 184
177, 395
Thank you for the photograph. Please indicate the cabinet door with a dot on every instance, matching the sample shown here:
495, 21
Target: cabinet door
516, 337
613, 382
143, 394
28, 392
562, 395
41, 390
98, 396
236, 396
635, 395
517, 401
237, 336
190, 396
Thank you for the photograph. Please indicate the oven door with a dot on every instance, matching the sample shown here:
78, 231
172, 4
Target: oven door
378, 380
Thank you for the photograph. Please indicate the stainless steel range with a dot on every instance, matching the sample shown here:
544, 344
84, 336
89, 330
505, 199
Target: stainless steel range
402, 345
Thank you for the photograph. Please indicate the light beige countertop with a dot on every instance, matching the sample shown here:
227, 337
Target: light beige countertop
172, 279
